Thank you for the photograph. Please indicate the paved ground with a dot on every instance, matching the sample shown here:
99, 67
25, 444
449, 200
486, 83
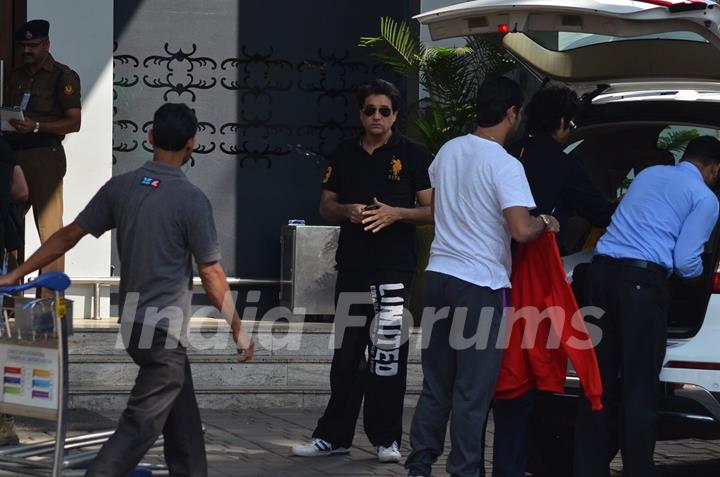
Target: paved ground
256, 443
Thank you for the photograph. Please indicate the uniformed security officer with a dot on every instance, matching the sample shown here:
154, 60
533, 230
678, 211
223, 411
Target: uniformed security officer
49, 95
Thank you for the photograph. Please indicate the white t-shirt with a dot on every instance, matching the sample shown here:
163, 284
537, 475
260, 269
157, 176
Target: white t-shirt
475, 180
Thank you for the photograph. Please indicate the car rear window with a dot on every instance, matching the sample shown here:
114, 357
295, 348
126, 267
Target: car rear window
564, 41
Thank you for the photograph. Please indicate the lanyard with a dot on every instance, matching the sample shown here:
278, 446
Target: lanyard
25, 100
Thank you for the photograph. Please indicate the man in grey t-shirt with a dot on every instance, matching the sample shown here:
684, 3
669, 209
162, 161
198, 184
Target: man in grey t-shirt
162, 222
161, 219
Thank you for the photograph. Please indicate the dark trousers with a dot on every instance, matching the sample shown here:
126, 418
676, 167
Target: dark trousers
381, 379
459, 375
161, 402
630, 354
512, 418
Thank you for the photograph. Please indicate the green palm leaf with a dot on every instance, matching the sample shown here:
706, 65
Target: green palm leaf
395, 46
675, 141
449, 76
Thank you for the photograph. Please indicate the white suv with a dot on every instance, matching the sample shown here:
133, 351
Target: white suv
646, 67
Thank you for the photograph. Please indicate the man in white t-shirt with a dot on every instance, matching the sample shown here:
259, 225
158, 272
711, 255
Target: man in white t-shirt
481, 200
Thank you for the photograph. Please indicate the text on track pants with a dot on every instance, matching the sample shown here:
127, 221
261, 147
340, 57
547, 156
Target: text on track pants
381, 379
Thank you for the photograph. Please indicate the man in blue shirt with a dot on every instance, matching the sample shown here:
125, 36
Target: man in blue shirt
660, 227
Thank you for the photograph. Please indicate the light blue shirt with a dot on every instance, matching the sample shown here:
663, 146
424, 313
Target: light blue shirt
666, 217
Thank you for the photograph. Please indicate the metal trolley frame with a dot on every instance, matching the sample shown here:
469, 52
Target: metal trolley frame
34, 363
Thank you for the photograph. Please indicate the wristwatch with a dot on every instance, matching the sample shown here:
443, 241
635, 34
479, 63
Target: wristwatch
37, 127
545, 219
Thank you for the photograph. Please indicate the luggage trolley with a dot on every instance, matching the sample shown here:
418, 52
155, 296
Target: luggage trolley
34, 363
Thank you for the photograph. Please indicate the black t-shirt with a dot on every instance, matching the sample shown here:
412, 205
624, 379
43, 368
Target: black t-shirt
394, 173
560, 185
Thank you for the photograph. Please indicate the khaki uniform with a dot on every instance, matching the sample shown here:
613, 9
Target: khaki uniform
54, 89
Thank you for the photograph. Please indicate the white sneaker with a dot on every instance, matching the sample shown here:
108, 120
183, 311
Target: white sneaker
318, 447
389, 454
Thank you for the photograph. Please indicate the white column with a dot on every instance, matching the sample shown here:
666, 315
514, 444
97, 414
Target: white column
81, 36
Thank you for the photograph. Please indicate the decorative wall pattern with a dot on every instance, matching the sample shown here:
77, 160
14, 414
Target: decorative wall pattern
274, 96
331, 78
179, 82
123, 128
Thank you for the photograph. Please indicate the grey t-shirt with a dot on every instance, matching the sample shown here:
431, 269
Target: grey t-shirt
161, 220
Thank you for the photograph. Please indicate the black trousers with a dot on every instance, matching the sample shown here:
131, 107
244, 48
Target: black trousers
630, 354
512, 419
161, 402
381, 379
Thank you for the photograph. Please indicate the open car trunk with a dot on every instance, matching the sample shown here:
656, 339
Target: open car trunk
621, 137
597, 41
649, 64
690, 299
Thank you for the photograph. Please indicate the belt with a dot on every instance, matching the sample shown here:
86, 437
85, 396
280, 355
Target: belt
19, 143
631, 262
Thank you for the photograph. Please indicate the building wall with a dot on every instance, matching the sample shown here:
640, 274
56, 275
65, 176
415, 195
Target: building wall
12, 13
262, 77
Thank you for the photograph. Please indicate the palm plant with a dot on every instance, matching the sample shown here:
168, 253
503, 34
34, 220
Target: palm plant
449, 76
675, 141
671, 140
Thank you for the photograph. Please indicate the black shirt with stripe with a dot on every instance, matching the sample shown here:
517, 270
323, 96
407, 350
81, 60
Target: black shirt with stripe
394, 173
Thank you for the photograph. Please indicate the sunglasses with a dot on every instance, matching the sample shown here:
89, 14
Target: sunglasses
371, 110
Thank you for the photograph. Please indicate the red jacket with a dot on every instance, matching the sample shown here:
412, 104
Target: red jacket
539, 360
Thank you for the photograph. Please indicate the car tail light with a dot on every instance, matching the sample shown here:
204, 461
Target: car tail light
716, 280
503, 28
693, 365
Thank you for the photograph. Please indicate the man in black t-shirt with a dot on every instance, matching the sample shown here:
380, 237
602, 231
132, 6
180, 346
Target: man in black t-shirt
377, 187
560, 184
